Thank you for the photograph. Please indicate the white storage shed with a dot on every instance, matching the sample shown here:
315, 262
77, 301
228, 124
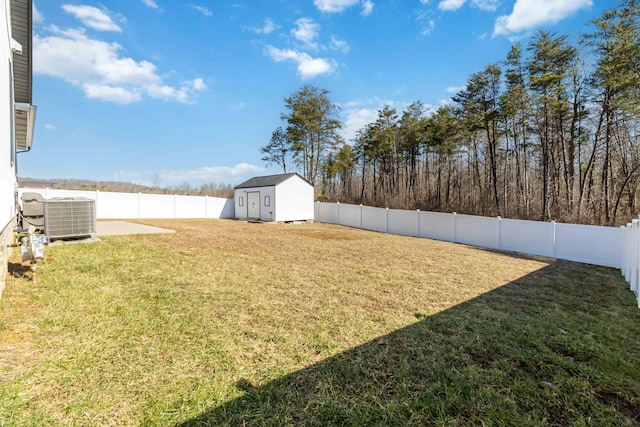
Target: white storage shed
284, 197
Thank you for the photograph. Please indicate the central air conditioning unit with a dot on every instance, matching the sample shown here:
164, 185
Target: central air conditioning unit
69, 218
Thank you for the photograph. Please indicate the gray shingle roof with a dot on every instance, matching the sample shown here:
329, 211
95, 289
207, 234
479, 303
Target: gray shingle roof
268, 180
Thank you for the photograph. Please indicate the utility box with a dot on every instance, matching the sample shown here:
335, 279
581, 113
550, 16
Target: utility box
69, 218
33, 211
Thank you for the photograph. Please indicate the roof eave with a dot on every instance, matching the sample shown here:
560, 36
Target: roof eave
25, 125
21, 32
22, 43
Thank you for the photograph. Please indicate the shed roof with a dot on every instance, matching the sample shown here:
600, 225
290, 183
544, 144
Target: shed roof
269, 180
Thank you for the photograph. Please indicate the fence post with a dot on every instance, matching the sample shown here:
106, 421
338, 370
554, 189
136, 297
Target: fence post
553, 239
175, 206
96, 203
635, 262
623, 251
499, 233
631, 236
418, 215
455, 227
635, 258
387, 209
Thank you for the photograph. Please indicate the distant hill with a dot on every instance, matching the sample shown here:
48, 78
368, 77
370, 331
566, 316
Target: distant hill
210, 189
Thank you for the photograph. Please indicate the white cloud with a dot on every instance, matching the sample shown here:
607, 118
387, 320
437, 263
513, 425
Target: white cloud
92, 17
428, 27
49, 126
488, 5
105, 92
528, 14
308, 67
307, 31
151, 3
357, 119
202, 9
238, 106
198, 84
454, 89
451, 4
37, 16
367, 8
97, 68
339, 45
333, 6
203, 175
268, 27
357, 114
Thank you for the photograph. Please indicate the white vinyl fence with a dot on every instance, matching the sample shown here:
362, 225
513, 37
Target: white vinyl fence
140, 205
630, 256
580, 243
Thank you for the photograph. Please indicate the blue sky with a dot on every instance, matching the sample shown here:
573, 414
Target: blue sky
163, 92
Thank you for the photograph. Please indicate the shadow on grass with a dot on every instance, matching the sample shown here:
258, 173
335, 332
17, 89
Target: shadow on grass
556, 347
18, 270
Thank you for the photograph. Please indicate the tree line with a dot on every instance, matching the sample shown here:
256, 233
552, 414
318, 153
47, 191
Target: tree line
549, 133
209, 189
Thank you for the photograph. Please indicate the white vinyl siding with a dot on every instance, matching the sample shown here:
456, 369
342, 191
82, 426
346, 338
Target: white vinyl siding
7, 151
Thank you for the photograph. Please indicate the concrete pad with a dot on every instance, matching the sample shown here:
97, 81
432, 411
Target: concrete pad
119, 228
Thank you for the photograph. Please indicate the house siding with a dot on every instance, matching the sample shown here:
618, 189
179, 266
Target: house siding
7, 143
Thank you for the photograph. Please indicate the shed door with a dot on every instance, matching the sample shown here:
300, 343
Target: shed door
253, 204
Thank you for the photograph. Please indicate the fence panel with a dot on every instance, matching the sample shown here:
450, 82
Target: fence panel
351, 215
156, 206
588, 244
218, 207
437, 225
477, 231
111, 205
328, 212
527, 237
190, 207
374, 219
403, 222
116, 205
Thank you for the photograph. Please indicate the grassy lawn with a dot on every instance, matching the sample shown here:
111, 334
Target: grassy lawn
229, 323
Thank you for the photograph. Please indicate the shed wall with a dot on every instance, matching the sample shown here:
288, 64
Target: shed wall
267, 213
294, 199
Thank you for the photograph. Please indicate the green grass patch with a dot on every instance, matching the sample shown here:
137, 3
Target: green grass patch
229, 323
